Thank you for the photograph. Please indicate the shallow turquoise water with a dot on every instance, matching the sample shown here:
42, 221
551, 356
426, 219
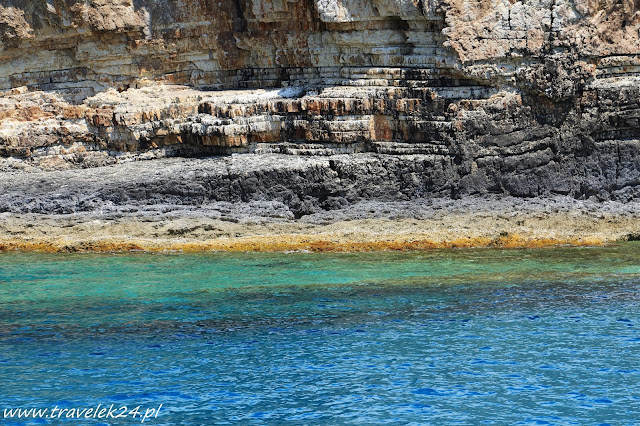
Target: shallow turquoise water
439, 337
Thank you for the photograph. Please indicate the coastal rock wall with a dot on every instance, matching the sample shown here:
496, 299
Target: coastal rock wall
88, 46
83, 47
528, 98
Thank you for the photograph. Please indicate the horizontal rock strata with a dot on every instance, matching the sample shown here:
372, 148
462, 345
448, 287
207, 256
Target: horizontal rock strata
283, 202
317, 104
122, 207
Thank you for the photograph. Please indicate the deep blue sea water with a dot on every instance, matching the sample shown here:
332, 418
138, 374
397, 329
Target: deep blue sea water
546, 336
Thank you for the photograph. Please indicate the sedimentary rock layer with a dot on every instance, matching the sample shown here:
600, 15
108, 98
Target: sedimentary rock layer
86, 46
334, 101
280, 202
194, 205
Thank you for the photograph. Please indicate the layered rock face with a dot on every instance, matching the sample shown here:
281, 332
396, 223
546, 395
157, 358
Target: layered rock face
450, 97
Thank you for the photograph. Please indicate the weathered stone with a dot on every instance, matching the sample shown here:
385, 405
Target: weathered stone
526, 98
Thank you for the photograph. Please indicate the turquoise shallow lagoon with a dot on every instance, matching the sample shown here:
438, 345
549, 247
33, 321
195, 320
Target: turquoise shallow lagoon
546, 336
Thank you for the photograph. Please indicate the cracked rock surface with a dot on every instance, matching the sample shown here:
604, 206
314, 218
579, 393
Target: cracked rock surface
298, 108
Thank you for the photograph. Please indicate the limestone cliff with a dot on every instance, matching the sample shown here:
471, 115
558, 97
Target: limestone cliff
525, 97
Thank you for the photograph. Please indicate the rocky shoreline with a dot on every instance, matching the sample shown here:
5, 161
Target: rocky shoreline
582, 225
218, 204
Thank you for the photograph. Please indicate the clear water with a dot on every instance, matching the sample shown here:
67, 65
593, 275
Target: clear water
441, 337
